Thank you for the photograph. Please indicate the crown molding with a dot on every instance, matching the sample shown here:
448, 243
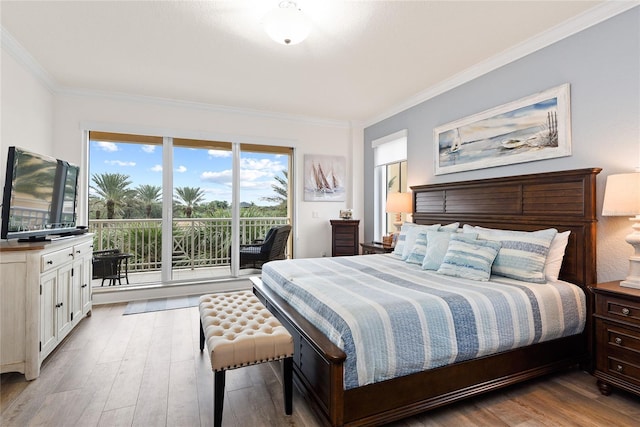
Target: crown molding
224, 109
581, 22
22, 55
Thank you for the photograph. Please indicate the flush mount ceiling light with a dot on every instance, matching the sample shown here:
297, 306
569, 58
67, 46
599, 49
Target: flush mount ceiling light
287, 24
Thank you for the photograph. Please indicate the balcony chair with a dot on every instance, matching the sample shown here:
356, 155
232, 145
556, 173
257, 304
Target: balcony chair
273, 247
111, 265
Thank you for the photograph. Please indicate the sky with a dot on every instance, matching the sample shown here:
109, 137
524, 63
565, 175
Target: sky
193, 167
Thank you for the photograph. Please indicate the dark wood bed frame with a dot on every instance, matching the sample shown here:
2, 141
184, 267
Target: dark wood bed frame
564, 200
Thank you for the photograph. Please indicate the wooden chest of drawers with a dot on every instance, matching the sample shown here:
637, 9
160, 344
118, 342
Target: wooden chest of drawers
344, 237
617, 337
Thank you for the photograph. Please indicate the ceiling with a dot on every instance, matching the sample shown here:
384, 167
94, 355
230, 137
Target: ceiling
361, 59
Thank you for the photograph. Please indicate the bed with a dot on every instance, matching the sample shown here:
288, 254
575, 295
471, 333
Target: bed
562, 200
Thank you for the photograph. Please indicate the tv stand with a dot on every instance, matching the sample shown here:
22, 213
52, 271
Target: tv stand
45, 290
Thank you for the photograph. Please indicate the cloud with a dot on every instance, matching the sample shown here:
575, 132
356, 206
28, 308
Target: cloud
222, 177
148, 148
119, 163
156, 168
106, 146
181, 169
219, 153
266, 167
254, 173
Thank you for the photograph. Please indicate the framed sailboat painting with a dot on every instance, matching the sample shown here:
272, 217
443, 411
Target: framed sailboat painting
536, 127
324, 178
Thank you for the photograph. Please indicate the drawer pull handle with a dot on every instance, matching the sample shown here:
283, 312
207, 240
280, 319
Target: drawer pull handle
618, 340
49, 262
626, 311
619, 368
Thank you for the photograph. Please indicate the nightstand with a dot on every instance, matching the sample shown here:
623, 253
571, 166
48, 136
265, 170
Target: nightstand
617, 337
344, 237
375, 248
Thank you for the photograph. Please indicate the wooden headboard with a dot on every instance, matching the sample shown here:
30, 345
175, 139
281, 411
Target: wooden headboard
563, 200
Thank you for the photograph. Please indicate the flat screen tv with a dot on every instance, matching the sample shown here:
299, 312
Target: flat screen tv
40, 196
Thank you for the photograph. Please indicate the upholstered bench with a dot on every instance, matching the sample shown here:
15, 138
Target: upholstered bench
239, 331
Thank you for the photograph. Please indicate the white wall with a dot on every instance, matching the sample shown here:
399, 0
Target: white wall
49, 120
26, 111
602, 65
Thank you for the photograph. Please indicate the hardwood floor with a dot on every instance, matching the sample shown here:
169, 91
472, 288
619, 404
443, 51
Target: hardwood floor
146, 370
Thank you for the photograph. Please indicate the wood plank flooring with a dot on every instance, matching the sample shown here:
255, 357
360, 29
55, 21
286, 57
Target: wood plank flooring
146, 370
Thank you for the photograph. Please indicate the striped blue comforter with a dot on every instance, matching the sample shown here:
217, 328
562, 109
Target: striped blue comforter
392, 318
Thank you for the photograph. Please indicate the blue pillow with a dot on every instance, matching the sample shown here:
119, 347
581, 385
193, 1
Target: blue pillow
469, 258
416, 256
402, 238
437, 244
523, 253
411, 236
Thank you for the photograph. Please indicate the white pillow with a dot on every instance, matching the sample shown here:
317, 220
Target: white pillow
555, 256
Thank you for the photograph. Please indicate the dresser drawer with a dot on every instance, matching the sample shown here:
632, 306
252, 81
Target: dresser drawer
83, 249
55, 259
616, 308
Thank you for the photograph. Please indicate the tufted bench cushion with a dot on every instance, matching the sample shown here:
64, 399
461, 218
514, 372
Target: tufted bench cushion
239, 331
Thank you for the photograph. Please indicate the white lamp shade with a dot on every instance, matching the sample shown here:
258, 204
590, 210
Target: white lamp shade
287, 24
622, 195
399, 203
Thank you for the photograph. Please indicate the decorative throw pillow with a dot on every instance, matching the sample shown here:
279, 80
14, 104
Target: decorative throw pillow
402, 237
555, 256
437, 244
469, 258
412, 234
416, 256
450, 227
523, 253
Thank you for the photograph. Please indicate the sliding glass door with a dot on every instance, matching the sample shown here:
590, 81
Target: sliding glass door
172, 205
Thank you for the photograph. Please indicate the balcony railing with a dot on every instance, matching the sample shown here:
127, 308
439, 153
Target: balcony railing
197, 242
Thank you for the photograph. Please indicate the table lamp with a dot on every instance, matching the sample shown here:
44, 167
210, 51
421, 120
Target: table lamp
622, 198
399, 203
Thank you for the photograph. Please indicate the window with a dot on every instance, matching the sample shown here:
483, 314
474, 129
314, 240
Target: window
390, 162
169, 202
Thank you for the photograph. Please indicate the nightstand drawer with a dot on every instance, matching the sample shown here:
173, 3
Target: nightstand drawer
620, 337
618, 309
623, 369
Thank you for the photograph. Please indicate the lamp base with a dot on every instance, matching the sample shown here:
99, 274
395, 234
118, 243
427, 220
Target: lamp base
633, 279
630, 284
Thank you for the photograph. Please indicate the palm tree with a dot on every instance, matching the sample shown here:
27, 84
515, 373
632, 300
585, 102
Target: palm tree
188, 198
281, 189
113, 189
148, 195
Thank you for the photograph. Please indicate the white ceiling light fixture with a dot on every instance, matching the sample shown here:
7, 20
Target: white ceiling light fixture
287, 24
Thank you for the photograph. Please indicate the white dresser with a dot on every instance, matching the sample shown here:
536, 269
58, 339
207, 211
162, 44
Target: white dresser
45, 290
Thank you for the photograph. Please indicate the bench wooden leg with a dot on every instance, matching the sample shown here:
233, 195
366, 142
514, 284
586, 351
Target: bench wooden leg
201, 337
287, 384
218, 397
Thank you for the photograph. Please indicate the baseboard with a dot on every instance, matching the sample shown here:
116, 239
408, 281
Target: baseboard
129, 293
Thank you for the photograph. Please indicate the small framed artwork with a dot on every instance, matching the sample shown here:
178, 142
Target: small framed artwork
324, 178
533, 128
346, 214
